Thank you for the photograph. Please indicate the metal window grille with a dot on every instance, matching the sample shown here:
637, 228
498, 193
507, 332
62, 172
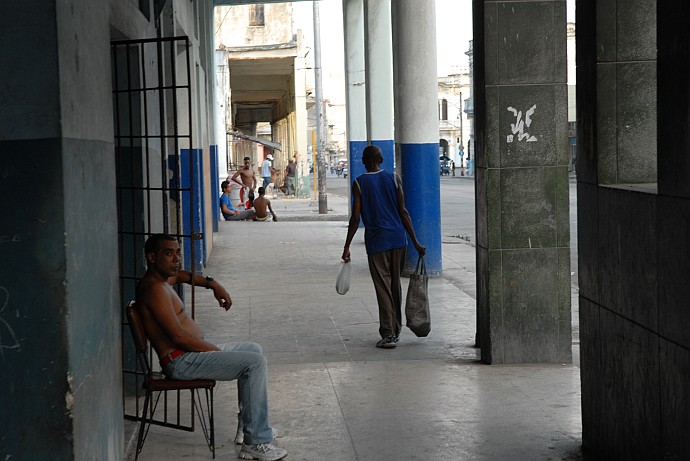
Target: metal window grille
152, 100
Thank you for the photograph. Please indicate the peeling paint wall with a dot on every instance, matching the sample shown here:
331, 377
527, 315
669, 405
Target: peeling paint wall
243, 33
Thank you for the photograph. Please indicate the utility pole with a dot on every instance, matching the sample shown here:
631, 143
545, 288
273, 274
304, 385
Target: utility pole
462, 141
318, 107
470, 141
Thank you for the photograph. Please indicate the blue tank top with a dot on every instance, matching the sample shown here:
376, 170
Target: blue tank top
383, 229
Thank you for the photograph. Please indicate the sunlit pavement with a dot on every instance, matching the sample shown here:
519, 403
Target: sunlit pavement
333, 395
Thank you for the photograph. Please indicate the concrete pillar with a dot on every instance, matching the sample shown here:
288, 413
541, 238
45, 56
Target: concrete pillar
523, 235
300, 142
416, 96
222, 111
355, 81
379, 75
633, 188
60, 308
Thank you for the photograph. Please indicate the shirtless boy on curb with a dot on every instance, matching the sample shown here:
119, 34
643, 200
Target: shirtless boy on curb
248, 183
260, 205
185, 355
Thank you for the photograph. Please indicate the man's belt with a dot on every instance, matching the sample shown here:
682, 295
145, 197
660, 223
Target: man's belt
171, 356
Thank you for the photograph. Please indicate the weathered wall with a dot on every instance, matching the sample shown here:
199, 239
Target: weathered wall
60, 304
60, 307
634, 255
523, 235
242, 33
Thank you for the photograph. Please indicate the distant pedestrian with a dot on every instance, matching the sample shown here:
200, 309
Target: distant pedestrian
248, 183
267, 171
290, 176
262, 206
378, 198
226, 208
274, 181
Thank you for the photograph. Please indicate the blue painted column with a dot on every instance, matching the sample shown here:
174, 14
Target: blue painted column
215, 188
416, 96
379, 76
355, 82
193, 221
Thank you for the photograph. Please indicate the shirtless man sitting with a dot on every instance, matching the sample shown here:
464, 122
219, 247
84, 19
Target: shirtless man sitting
185, 355
260, 206
248, 183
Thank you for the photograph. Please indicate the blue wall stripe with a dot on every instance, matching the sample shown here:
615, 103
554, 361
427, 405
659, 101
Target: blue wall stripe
215, 189
191, 204
422, 187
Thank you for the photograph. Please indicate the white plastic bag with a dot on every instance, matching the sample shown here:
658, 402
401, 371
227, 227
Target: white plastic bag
342, 283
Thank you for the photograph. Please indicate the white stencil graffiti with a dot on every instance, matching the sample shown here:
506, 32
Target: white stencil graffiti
8, 340
518, 128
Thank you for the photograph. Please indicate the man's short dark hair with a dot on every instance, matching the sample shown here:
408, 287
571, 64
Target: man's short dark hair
224, 184
247, 158
153, 243
262, 191
372, 152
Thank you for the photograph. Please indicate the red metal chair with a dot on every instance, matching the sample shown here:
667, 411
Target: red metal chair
157, 383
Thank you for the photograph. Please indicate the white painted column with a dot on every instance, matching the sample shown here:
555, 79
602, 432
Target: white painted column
301, 141
416, 101
379, 74
221, 109
355, 81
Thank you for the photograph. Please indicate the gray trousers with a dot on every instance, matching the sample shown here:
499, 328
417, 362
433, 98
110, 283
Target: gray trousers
385, 269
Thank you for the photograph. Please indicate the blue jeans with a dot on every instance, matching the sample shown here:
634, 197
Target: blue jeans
243, 362
267, 181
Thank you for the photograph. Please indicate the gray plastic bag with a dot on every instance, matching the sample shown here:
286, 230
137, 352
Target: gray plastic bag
342, 283
417, 302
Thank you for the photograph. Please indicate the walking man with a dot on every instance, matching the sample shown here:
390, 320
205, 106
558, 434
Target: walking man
378, 198
267, 171
185, 355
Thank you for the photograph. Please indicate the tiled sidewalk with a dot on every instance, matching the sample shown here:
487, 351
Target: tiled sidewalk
333, 395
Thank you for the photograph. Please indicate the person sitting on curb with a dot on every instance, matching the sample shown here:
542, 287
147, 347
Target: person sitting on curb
185, 355
260, 205
226, 208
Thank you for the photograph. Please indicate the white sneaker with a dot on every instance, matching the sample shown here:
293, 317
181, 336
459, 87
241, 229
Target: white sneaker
239, 435
262, 452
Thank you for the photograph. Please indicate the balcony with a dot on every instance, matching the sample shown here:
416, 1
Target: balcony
469, 107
